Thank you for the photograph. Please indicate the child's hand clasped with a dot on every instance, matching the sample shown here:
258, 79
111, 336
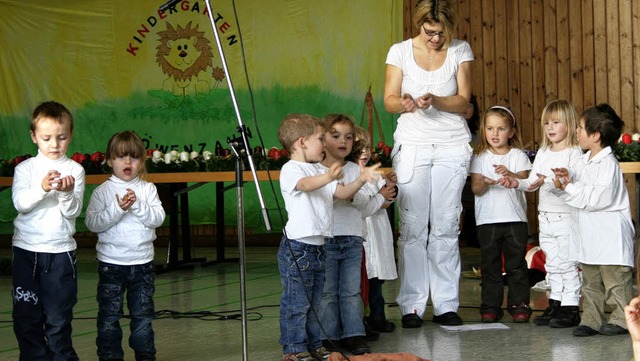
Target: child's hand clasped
53, 181
127, 200
562, 177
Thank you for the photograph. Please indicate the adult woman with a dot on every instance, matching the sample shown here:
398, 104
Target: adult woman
428, 81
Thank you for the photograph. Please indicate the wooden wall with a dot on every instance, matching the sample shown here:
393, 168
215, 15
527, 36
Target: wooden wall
529, 52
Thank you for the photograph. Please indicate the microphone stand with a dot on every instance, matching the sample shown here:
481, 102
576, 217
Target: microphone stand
237, 145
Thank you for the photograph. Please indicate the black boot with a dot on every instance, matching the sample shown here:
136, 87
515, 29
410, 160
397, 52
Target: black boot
548, 314
569, 316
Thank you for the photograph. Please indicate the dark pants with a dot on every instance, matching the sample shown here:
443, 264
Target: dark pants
376, 300
45, 289
138, 282
510, 240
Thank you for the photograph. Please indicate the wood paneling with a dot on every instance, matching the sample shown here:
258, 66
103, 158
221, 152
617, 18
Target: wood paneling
529, 52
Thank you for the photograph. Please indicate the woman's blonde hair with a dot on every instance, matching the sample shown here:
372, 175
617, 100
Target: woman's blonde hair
565, 112
514, 142
437, 12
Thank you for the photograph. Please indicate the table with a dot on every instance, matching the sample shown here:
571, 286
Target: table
179, 204
179, 188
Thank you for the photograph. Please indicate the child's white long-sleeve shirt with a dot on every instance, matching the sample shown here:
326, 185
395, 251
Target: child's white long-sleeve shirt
46, 221
125, 237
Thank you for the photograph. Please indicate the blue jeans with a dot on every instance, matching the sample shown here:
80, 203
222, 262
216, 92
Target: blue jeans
341, 306
138, 282
45, 289
301, 269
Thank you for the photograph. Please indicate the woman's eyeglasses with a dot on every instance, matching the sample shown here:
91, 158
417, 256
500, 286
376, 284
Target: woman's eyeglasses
431, 33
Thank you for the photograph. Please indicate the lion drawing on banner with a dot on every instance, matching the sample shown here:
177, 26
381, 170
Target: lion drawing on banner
184, 55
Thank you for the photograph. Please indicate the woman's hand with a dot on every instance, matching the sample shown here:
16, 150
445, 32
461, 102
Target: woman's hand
407, 102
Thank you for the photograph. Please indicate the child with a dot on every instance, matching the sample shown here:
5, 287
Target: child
501, 216
559, 148
604, 239
308, 191
378, 235
125, 211
47, 192
341, 309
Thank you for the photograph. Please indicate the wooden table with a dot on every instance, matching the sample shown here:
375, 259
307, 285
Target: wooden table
179, 188
179, 205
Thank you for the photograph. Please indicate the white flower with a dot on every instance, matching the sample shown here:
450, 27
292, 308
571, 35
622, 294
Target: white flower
193, 155
157, 155
184, 156
167, 158
207, 155
635, 137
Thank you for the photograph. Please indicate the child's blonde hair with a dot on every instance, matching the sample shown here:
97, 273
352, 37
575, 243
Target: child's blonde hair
506, 114
332, 119
565, 112
128, 143
296, 126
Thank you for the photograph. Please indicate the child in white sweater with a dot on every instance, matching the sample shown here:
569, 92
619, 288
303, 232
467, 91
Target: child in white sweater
125, 211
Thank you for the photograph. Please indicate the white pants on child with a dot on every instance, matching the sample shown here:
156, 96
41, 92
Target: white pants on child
562, 273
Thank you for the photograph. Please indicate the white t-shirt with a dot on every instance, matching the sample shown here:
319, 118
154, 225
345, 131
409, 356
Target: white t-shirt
546, 159
310, 214
347, 215
499, 204
430, 126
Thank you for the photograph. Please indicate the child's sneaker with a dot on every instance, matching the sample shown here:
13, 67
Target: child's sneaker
300, 356
320, 354
569, 316
520, 313
550, 313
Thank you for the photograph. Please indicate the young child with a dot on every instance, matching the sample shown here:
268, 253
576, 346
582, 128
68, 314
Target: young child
604, 238
341, 309
125, 211
558, 148
380, 263
501, 216
47, 192
308, 190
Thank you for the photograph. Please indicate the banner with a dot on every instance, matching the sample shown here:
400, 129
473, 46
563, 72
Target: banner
127, 65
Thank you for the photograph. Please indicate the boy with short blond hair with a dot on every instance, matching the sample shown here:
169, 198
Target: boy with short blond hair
47, 192
308, 191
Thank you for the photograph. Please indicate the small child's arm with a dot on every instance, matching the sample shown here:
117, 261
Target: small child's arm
149, 209
347, 191
312, 183
480, 183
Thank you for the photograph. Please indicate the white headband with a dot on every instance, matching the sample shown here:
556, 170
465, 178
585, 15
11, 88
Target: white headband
505, 109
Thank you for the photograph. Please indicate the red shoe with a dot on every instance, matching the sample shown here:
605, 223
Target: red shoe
489, 317
521, 317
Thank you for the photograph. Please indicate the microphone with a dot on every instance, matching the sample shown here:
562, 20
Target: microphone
168, 4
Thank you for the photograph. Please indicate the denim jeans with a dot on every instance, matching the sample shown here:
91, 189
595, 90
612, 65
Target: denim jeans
138, 282
341, 306
45, 289
376, 300
301, 269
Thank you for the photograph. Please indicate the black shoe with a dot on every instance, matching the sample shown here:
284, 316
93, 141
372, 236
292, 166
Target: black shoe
357, 345
331, 345
411, 320
145, 356
371, 334
548, 314
569, 316
448, 319
584, 331
382, 325
611, 330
